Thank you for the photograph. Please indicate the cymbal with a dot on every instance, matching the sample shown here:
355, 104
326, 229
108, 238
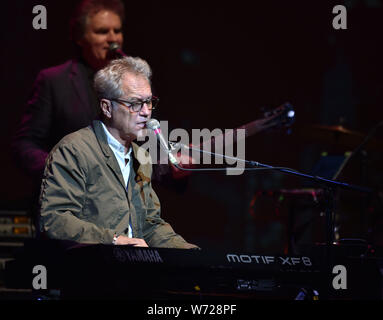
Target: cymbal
337, 131
338, 135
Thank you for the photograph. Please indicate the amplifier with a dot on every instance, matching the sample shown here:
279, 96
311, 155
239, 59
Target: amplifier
15, 225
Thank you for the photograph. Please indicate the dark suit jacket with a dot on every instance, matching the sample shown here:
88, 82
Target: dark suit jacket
62, 102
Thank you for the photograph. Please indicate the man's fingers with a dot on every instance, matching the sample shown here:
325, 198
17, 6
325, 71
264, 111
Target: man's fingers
139, 243
135, 242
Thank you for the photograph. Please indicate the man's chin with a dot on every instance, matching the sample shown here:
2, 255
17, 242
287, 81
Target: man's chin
141, 134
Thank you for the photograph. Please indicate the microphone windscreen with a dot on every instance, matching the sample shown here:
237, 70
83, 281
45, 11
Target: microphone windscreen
152, 124
114, 46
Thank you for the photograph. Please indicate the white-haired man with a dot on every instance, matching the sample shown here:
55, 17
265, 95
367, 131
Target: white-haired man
95, 189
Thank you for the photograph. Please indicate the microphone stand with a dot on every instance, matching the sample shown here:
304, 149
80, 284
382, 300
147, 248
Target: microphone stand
329, 190
328, 185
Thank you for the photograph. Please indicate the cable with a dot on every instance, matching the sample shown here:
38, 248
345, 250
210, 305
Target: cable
327, 182
253, 163
229, 168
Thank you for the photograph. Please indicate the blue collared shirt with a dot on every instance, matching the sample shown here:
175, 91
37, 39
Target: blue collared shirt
123, 158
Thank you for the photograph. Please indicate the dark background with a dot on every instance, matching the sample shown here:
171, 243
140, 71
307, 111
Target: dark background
217, 65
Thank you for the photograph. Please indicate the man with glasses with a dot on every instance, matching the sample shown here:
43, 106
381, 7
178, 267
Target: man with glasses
63, 99
97, 181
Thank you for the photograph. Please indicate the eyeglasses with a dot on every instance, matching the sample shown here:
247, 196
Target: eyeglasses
137, 105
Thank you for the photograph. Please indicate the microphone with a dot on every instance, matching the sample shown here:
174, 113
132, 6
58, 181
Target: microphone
154, 125
115, 49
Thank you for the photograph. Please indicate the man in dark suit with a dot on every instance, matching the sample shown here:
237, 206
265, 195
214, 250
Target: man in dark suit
63, 98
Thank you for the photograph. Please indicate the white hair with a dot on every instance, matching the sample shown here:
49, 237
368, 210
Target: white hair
107, 81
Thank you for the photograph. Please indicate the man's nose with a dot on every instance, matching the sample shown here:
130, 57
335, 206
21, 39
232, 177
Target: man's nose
145, 111
112, 36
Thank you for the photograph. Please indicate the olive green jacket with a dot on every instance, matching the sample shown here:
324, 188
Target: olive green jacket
83, 197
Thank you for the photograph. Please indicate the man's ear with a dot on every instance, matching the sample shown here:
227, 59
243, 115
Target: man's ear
106, 108
79, 42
